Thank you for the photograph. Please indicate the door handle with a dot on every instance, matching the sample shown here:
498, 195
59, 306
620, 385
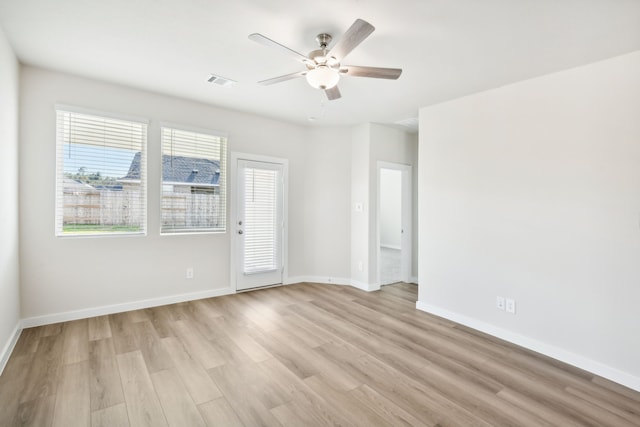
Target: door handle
240, 232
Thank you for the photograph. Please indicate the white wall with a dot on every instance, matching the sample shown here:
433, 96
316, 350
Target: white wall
67, 274
9, 224
390, 208
371, 143
360, 232
327, 204
330, 169
532, 191
393, 145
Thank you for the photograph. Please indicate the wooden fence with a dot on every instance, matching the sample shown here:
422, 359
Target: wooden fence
124, 208
187, 210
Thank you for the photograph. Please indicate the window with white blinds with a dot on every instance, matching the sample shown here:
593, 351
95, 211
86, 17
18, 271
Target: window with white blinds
100, 175
194, 171
262, 220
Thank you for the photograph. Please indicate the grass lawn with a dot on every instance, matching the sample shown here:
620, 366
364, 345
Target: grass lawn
96, 228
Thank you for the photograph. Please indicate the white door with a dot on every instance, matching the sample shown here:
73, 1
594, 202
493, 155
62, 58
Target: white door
259, 224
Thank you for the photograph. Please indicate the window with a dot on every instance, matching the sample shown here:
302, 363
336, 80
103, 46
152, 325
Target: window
100, 175
194, 170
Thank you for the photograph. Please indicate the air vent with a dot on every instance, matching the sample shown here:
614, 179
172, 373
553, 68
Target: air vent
410, 124
221, 81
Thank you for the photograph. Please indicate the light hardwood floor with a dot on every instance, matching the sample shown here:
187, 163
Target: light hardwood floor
299, 355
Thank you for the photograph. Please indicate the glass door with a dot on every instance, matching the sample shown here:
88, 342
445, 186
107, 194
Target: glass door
259, 224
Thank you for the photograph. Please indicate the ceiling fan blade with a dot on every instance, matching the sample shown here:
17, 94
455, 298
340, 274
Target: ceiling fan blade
259, 38
333, 93
355, 35
283, 78
375, 72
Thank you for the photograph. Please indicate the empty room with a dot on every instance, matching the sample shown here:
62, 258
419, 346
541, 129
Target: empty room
338, 213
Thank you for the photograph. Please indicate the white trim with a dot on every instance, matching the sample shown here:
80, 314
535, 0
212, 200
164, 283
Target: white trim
258, 158
59, 177
9, 346
552, 351
100, 235
325, 280
336, 281
368, 287
194, 232
101, 113
232, 168
194, 129
413, 279
223, 163
407, 219
293, 280
119, 308
391, 283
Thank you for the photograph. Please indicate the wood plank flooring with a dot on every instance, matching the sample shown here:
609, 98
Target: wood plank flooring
299, 355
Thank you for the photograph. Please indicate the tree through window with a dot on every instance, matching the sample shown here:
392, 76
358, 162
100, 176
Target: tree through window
93, 194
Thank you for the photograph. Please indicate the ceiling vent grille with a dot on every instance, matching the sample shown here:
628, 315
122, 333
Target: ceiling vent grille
410, 124
221, 81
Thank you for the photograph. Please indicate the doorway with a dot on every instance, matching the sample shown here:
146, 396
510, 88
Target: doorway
259, 222
394, 223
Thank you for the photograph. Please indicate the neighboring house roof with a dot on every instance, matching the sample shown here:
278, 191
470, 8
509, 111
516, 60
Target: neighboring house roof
73, 186
181, 170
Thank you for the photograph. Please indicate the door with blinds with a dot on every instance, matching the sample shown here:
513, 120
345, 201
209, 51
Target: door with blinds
259, 224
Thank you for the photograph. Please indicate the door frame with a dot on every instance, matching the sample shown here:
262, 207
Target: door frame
407, 219
233, 215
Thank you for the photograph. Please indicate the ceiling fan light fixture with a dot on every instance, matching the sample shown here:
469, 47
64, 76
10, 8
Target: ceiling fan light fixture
323, 77
323, 68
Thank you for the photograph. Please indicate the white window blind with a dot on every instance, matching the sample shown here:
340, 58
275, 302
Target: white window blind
194, 170
100, 175
261, 215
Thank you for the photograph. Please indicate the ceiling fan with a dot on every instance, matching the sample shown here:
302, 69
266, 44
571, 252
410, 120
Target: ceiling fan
324, 66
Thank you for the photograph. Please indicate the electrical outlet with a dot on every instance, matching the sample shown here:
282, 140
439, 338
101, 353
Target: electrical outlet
189, 274
500, 303
511, 306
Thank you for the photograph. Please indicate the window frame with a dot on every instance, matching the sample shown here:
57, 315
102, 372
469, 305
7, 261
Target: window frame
60, 171
222, 180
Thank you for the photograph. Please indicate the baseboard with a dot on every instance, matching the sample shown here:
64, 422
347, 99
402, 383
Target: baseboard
48, 319
413, 279
9, 346
293, 280
333, 281
318, 279
552, 351
368, 287
119, 308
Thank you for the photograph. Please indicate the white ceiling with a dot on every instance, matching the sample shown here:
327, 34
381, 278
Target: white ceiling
447, 48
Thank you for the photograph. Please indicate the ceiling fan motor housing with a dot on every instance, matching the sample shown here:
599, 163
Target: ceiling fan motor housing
323, 40
319, 56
